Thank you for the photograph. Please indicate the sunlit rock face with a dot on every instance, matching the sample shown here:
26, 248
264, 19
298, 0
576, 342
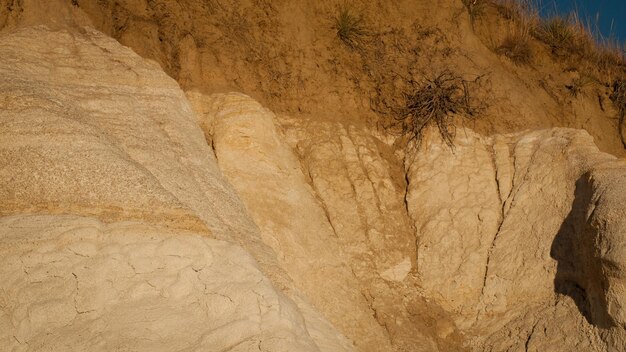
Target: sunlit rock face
90, 129
521, 235
72, 282
135, 216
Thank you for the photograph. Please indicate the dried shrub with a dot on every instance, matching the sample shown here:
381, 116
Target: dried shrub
436, 101
350, 27
578, 84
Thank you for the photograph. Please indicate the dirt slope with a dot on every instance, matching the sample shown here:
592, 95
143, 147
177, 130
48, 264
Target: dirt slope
287, 55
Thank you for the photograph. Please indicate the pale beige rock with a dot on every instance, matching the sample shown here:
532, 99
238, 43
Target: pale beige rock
556, 326
546, 165
454, 202
267, 175
89, 128
592, 269
360, 280
603, 242
75, 283
497, 222
460, 203
103, 132
361, 186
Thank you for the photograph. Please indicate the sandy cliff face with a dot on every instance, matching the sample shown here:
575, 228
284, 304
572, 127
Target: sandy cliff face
135, 216
493, 255
286, 55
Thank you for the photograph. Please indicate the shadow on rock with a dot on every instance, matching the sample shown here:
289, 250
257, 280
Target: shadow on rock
573, 249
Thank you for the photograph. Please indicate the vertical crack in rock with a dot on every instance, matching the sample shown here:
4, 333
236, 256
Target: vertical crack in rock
76, 293
530, 335
362, 151
508, 199
503, 199
406, 201
309, 179
347, 145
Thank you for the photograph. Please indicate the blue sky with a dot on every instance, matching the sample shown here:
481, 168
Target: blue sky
610, 15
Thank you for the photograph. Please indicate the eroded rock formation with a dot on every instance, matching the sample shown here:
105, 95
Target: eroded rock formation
137, 217
497, 210
90, 129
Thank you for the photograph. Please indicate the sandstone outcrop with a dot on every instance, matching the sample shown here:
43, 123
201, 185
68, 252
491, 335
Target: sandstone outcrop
488, 218
75, 283
333, 221
267, 175
90, 129
134, 216
503, 239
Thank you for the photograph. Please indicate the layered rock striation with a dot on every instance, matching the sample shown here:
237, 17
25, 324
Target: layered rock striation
134, 216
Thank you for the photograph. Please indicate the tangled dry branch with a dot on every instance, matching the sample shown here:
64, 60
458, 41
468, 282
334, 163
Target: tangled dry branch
437, 101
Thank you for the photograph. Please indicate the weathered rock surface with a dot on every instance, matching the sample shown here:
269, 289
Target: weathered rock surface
342, 243
102, 132
88, 128
119, 227
360, 184
488, 218
594, 234
75, 283
267, 175
496, 244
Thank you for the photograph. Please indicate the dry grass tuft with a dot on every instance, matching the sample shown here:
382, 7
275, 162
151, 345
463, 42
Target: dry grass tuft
559, 34
476, 8
522, 21
609, 58
511, 9
516, 46
578, 84
351, 29
618, 96
573, 40
437, 101
577, 43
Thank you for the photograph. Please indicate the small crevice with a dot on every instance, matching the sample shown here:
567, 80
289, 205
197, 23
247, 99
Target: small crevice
405, 200
507, 202
532, 331
224, 296
503, 202
320, 201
